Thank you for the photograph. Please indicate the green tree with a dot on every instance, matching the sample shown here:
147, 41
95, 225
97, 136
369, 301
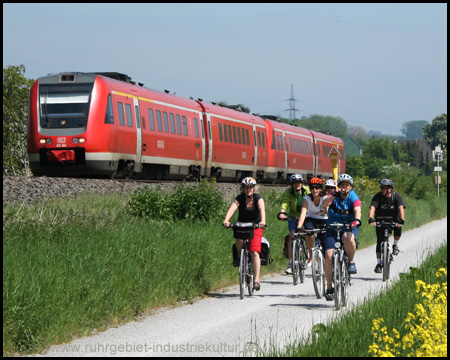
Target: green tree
377, 153
436, 134
413, 129
16, 89
336, 126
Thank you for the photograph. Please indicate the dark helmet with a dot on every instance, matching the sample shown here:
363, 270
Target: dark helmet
387, 182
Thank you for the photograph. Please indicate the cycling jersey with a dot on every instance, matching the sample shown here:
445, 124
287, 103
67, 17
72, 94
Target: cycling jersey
387, 206
341, 210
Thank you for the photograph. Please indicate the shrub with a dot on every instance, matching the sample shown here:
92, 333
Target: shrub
187, 202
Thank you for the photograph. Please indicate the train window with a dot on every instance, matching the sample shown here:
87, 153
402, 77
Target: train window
159, 120
230, 137
220, 132
203, 129
166, 122
120, 111
225, 133
234, 135
239, 135
138, 117
273, 140
259, 139
109, 116
179, 131
129, 116
61, 107
150, 119
172, 123
196, 128
209, 129
248, 137
263, 140
290, 144
185, 128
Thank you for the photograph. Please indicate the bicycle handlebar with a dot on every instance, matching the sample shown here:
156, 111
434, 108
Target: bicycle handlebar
245, 225
347, 225
288, 218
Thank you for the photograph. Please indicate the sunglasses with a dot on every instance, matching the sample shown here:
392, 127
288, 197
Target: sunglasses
330, 188
315, 187
383, 187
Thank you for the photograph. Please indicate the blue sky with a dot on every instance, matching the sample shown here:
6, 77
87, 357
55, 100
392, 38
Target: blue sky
376, 66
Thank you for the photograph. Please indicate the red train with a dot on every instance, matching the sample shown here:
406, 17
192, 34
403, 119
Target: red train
104, 124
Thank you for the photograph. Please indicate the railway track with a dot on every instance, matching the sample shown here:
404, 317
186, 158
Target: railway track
25, 189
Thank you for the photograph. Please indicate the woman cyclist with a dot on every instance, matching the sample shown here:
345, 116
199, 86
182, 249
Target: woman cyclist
343, 205
251, 209
291, 205
313, 213
330, 186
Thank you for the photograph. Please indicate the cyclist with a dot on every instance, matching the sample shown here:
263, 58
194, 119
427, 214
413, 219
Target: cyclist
330, 186
313, 213
291, 205
387, 203
344, 205
251, 209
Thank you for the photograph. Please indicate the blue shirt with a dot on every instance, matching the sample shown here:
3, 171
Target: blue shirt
342, 210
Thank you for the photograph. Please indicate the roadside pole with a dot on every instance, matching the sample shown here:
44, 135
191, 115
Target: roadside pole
437, 155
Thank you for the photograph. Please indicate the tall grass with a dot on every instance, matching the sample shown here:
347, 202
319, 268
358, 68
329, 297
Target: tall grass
84, 263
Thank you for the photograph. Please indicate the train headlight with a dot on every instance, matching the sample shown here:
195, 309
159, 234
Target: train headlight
78, 140
45, 141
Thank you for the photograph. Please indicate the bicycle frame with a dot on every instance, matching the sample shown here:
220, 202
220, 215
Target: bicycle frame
317, 264
341, 277
246, 275
386, 223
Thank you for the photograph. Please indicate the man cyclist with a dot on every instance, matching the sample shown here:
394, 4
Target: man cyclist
251, 209
387, 202
291, 205
344, 205
313, 213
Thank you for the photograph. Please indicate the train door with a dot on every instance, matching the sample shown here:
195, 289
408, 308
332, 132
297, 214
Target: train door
255, 153
137, 116
208, 141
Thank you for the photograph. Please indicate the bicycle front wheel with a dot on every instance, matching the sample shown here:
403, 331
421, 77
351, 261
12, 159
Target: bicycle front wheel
385, 260
345, 283
318, 273
302, 261
250, 277
337, 281
242, 274
295, 261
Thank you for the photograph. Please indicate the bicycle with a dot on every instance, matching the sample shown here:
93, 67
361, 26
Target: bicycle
318, 263
387, 224
246, 275
299, 253
341, 276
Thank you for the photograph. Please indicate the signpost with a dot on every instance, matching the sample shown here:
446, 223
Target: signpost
437, 155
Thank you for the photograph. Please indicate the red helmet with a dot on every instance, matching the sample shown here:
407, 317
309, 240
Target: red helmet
315, 181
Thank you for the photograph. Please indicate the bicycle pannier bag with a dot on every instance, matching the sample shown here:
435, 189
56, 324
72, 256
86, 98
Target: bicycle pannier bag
265, 252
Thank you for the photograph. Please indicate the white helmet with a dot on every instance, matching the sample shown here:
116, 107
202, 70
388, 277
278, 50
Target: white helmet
331, 183
345, 177
248, 181
296, 177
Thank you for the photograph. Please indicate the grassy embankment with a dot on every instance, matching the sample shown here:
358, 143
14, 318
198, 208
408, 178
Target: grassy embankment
74, 265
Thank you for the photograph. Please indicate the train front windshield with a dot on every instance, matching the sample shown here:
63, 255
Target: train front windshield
63, 106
